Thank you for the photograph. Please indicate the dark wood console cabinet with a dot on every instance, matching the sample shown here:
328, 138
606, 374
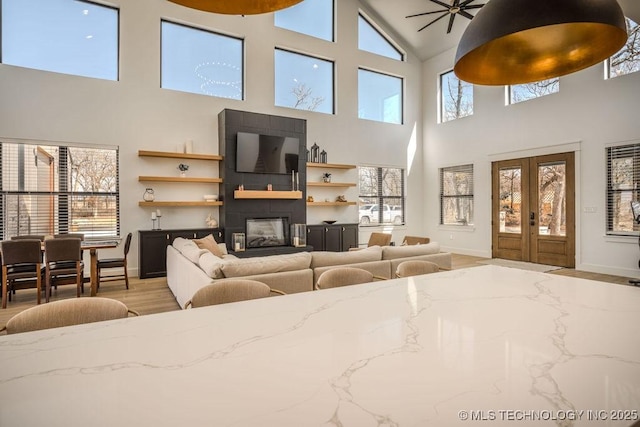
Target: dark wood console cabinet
152, 247
334, 238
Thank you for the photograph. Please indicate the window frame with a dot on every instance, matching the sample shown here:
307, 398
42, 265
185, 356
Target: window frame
628, 150
333, 24
402, 94
116, 78
384, 35
463, 168
308, 55
509, 91
62, 195
441, 98
211, 32
384, 200
607, 63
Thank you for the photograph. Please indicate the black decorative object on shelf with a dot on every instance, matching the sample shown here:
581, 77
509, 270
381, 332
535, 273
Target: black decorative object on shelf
308, 154
315, 149
323, 157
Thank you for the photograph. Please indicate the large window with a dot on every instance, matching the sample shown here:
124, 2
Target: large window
310, 17
202, 62
456, 195
48, 188
456, 97
303, 82
527, 91
65, 36
623, 186
379, 97
381, 195
627, 60
373, 40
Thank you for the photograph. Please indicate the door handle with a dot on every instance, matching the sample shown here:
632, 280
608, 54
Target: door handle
532, 218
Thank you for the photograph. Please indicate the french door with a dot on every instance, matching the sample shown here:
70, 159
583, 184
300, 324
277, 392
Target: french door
533, 209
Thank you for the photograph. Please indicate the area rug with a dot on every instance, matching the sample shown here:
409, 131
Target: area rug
540, 268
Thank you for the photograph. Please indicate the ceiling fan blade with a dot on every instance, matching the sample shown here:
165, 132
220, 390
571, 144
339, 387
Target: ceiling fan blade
427, 13
465, 14
466, 2
474, 6
448, 6
456, 3
434, 21
451, 18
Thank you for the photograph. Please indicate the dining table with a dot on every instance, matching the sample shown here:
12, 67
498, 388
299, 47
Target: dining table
487, 345
92, 246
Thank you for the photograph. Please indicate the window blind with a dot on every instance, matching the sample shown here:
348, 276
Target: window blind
623, 178
51, 189
456, 195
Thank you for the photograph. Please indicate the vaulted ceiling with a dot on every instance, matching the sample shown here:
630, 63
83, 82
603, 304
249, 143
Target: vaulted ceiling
434, 39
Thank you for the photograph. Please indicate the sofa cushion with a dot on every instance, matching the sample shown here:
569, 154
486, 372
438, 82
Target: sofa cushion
395, 252
210, 264
192, 253
210, 244
267, 264
322, 258
180, 242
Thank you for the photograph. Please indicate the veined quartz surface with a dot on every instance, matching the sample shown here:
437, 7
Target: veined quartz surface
508, 346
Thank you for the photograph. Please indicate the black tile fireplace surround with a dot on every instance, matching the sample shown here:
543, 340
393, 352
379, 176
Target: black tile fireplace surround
235, 212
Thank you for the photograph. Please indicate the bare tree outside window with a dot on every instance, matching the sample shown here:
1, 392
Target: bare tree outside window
381, 195
527, 91
456, 97
456, 195
51, 189
627, 59
305, 99
623, 186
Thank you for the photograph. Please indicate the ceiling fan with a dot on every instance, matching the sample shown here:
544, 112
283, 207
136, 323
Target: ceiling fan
453, 9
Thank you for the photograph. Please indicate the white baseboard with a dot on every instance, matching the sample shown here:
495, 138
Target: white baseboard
605, 269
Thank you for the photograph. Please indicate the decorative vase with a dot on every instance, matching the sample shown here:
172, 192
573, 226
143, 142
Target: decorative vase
148, 195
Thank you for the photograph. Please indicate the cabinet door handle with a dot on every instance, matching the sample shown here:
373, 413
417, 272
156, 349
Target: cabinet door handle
168, 238
194, 235
326, 229
343, 229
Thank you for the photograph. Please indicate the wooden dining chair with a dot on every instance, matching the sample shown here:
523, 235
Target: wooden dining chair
67, 312
69, 236
379, 239
415, 240
343, 276
230, 290
21, 267
63, 264
108, 263
29, 237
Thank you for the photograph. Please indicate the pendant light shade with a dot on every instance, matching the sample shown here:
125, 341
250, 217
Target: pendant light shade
237, 7
523, 41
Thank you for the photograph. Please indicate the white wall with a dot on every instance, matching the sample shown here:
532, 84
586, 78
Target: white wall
586, 115
134, 113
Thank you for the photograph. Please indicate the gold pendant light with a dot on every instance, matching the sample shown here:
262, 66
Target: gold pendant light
522, 41
237, 7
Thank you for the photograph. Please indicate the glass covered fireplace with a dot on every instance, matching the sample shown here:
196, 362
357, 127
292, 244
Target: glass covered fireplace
266, 232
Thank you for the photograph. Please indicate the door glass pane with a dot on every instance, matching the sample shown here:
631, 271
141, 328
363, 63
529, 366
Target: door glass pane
551, 199
510, 200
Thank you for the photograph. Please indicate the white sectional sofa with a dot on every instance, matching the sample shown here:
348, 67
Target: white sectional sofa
190, 268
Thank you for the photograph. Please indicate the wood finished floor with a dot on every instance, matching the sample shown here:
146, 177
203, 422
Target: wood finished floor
149, 296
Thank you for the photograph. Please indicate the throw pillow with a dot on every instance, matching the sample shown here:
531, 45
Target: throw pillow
210, 244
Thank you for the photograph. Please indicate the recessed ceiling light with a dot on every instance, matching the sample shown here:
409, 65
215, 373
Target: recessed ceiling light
90, 36
85, 12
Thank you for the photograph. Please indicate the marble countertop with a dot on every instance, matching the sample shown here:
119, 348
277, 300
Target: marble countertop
509, 346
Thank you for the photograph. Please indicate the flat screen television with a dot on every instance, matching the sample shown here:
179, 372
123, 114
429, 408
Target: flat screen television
259, 153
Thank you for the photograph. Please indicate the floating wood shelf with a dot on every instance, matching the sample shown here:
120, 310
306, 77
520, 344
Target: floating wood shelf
168, 154
178, 203
331, 203
265, 194
180, 179
331, 184
330, 166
